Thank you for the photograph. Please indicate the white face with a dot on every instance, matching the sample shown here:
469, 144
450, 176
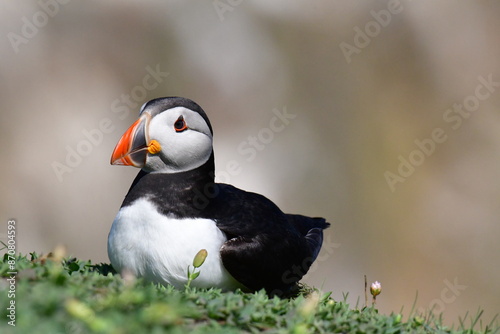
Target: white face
185, 139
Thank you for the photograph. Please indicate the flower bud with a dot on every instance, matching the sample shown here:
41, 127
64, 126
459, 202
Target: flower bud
375, 288
200, 257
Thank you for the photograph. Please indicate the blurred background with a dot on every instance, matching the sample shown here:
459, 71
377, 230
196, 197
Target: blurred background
382, 116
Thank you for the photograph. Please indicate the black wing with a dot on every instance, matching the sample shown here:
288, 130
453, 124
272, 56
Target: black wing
266, 248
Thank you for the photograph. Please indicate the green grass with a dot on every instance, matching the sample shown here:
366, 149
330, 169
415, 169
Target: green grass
76, 297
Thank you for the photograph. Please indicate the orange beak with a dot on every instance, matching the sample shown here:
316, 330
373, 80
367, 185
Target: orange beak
132, 148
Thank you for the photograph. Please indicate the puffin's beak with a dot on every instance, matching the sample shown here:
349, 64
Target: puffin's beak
132, 148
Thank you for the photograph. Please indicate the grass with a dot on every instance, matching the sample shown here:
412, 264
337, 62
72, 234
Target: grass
55, 295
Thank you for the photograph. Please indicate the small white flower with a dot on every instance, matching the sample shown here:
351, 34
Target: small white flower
375, 288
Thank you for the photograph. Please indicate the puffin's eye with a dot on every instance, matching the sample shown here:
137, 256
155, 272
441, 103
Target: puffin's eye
180, 124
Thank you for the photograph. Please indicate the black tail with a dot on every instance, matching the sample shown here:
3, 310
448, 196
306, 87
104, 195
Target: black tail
303, 224
311, 229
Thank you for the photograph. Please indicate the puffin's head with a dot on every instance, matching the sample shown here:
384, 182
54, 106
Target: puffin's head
172, 135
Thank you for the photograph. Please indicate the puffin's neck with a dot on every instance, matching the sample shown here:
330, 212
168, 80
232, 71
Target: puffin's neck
183, 194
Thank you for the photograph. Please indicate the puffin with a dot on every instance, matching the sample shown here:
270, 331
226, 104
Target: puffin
174, 208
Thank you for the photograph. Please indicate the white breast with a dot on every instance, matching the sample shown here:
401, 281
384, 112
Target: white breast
160, 248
